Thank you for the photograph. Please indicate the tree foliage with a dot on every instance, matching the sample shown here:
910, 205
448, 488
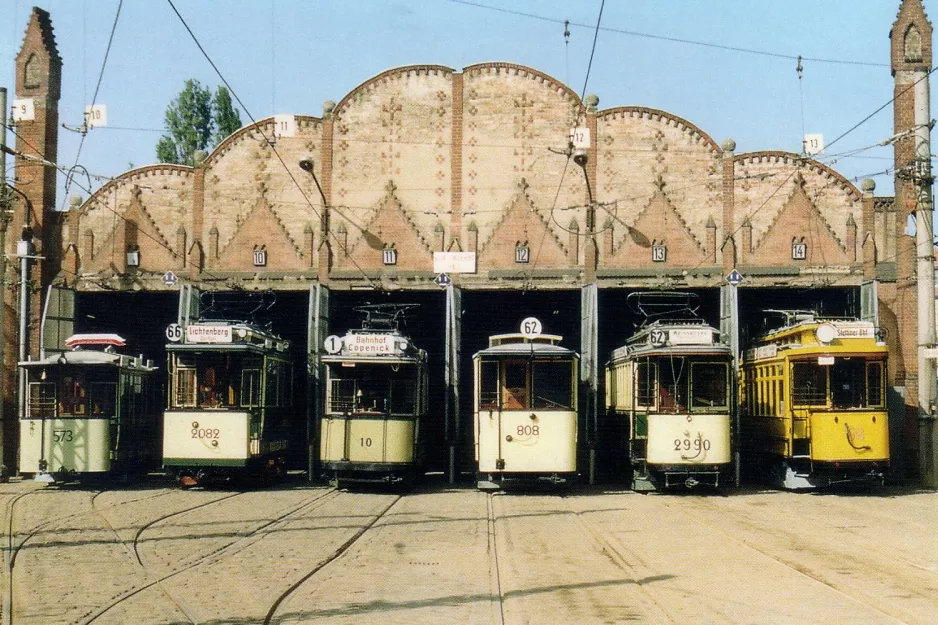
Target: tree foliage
196, 121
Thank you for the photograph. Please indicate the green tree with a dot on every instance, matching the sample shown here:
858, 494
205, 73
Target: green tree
227, 117
191, 121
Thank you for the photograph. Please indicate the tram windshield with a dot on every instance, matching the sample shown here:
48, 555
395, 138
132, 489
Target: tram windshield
78, 393
526, 385
372, 389
851, 382
223, 380
676, 384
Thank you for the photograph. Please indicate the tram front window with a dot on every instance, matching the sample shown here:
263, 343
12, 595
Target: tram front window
809, 384
848, 383
672, 384
365, 389
708, 385
488, 385
215, 381
553, 389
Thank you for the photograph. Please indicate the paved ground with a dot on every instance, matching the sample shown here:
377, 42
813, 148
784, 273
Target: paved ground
151, 553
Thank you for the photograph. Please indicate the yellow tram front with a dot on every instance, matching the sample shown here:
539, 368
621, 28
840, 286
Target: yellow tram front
813, 397
671, 385
89, 410
525, 416
376, 397
229, 406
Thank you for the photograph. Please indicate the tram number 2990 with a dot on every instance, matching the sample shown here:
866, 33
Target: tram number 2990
687, 444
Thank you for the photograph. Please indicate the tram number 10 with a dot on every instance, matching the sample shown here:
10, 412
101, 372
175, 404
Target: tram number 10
686, 444
365, 441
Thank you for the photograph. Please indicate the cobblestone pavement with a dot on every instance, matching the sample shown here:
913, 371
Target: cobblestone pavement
298, 553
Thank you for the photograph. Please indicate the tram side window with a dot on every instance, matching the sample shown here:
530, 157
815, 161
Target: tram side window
274, 383
404, 392
488, 385
41, 400
553, 388
646, 386
250, 387
708, 385
809, 384
874, 384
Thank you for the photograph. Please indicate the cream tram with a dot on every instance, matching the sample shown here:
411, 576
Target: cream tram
89, 411
670, 386
376, 401
813, 401
230, 402
525, 409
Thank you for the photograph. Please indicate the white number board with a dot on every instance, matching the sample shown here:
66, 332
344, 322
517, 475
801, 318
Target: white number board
454, 262
174, 332
285, 125
23, 110
813, 144
96, 115
580, 137
333, 344
531, 327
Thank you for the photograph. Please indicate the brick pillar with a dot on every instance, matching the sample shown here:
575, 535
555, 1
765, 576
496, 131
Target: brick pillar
455, 227
711, 240
729, 208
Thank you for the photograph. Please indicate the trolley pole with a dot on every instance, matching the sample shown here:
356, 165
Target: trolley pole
922, 181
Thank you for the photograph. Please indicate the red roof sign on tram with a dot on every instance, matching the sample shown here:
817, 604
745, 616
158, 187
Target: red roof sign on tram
80, 340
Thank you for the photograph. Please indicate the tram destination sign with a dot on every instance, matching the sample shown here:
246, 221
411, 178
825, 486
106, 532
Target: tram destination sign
690, 336
208, 334
369, 344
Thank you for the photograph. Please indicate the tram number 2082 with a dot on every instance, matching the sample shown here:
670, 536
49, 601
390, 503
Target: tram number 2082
687, 444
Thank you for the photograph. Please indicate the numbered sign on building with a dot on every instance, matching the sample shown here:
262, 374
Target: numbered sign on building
285, 125
96, 115
580, 137
23, 110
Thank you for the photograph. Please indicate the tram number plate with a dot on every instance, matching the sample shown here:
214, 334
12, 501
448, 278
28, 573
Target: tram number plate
529, 430
206, 433
62, 436
687, 444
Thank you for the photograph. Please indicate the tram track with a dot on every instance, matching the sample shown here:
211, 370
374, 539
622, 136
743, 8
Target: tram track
283, 598
242, 541
494, 578
800, 566
623, 559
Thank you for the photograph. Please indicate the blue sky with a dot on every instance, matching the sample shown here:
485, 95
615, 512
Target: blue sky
289, 56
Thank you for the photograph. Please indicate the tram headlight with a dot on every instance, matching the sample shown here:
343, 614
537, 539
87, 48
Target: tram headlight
825, 333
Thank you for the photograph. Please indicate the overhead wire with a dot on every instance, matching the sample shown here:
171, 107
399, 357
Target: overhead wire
705, 44
94, 98
289, 172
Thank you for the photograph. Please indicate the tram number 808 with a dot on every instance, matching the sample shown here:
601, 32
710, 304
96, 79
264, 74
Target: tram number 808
686, 444
206, 433
528, 430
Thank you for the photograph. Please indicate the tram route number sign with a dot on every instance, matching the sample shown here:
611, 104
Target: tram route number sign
333, 344
174, 332
531, 327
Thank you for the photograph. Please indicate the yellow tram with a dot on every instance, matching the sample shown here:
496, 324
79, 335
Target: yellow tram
813, 401
376, 398
671, 383
525, 417
89, 410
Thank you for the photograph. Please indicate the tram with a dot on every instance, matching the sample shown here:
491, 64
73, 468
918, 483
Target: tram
525, 409
813, 401
372, 429
670, 388
229, 408
90, 411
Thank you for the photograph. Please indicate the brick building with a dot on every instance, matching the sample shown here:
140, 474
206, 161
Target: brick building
425, 160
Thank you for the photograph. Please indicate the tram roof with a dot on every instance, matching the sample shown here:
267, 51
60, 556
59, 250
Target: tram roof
92, 358
521, 345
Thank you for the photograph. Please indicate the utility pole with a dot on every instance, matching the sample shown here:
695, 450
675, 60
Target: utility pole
922, 180
6, 214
